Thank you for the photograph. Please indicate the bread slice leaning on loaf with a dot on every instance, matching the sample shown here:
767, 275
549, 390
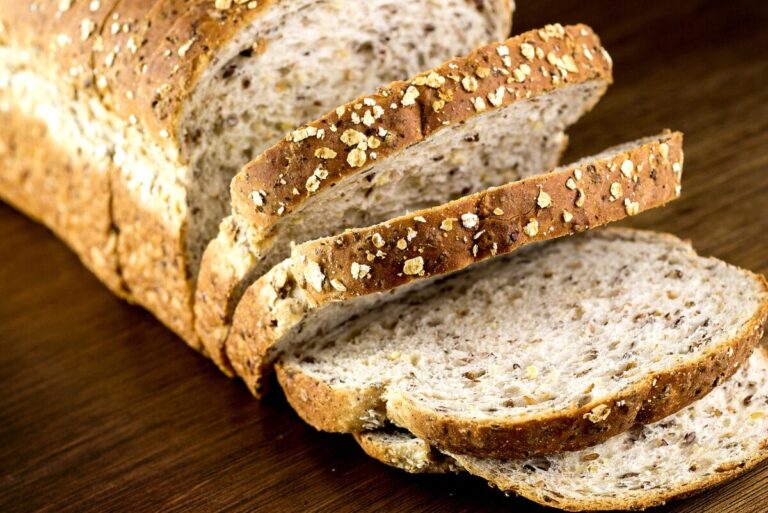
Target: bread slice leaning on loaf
494, 116
715, 439
327, 281
555, 348
141, 111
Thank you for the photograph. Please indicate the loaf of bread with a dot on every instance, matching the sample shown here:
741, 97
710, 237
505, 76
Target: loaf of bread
327, 281
712, 441
123, 122
494, 116
555, 349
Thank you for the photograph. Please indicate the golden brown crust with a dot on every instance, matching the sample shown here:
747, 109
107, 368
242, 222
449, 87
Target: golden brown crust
658, 395
372, 446
650, 500
352, 138
143, 63
288, 170
452, 236
429, 461
68, 194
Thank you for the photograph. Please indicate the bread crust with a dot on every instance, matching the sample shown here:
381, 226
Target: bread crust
159, 29
427, 461
654, 397
504, 221
284, 177
447, 95
68, 194
141, 60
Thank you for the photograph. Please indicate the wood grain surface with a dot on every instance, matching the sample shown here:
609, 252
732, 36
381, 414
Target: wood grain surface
102, 409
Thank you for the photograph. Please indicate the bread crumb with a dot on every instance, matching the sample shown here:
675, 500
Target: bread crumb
532, 228
570, 184
469, 220
360, 271
401, 244
325, 153
352, 137
469, 84
336, 284
413, 266
447, 224
356, 157
498, 212
616, 190
409, 98
314, 275
377, 240
627, 167
567, 216
598, 414
528, 51
632, 207
544, 200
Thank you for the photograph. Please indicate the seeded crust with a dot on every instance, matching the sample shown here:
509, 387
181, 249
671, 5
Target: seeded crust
404, 113
89, 46
287, 175
658, 395
141, 61
418, 246
68, 194
159, 30
416, 456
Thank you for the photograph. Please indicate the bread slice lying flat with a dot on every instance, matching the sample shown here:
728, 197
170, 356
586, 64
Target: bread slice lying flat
494, 116
329, 280
555, 348
715, 439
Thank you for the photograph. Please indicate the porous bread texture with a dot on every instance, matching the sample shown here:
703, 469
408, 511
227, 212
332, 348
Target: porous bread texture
299, 61
152, 89
329, 280
556, 348
411, 145
713, 440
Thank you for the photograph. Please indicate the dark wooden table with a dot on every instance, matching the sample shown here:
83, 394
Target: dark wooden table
102, 409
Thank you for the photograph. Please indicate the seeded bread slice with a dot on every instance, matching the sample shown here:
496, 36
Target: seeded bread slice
711, 441
328, 281
147, 109
494, 116
556, 348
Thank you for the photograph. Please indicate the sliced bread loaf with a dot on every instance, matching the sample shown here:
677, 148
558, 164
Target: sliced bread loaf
496, 115
711, 441
148, 108
558, 347
327, 281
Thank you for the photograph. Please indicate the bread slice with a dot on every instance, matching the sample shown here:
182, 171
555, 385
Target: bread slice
713, 440
327, 281
556, 348
144, 110
496, 115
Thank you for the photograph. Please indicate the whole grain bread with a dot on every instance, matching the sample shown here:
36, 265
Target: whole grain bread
327, 281
556, 348
494, 116
154, 105
714, 440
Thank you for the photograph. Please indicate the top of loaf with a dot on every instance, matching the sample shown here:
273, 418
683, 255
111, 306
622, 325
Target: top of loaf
353, 137
141, 57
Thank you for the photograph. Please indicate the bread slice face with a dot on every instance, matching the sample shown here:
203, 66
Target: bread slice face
497, 115
327, 281
556, 348
713, 440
